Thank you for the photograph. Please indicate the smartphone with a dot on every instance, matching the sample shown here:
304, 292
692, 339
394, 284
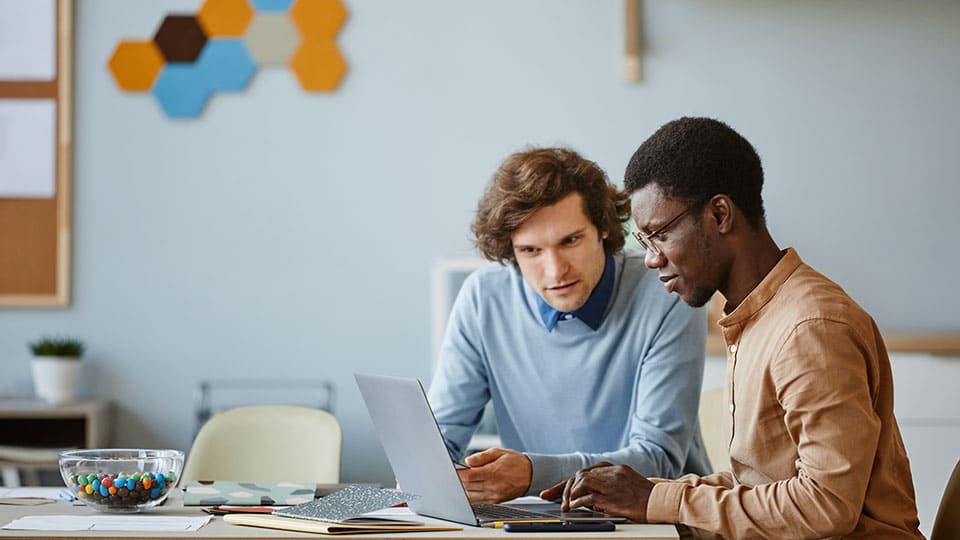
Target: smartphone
565, 526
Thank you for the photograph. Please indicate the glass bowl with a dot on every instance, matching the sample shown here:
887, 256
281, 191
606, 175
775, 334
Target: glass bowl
121, 479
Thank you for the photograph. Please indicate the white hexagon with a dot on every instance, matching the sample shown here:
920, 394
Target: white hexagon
271, 38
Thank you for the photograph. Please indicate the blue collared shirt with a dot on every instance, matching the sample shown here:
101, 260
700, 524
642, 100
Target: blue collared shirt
591, 312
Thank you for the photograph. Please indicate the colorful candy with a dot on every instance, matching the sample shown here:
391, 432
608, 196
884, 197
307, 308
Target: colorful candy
121, 490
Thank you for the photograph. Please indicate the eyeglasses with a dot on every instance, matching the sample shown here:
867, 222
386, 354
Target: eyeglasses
646, 240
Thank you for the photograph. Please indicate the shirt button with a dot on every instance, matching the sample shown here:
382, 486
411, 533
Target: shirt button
731, 407
567, 316
733, 348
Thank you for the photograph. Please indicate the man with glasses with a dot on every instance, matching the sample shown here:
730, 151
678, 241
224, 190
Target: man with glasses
584, 356
815, 450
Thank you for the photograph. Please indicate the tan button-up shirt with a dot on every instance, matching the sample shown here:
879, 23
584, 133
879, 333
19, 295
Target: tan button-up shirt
815, 450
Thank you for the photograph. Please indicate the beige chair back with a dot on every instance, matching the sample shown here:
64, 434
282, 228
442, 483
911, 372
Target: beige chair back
713, 428
947, 524
276, 443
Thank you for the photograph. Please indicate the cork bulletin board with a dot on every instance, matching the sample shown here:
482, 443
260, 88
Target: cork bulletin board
35, 151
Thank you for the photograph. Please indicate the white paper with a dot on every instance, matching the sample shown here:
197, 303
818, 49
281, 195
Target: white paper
140, 523
527, 499
41, 492
28, 40
28, 147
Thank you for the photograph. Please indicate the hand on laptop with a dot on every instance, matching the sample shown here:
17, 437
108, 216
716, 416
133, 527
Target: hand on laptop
496, 475
614, 489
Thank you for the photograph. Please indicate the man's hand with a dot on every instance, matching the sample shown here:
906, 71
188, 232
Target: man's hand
496, 475
614, 489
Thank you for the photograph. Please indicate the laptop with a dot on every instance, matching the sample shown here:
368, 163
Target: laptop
414, 445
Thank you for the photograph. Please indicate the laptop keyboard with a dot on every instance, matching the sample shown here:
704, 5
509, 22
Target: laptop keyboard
500, 512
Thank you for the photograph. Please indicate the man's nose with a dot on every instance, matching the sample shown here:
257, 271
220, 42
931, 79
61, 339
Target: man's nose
557, 265
653, 259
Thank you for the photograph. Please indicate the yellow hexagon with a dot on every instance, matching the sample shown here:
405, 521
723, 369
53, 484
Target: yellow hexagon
225, 18
318, 20
319, 66
135, 65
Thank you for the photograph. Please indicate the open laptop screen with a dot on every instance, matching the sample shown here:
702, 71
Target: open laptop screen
415, 448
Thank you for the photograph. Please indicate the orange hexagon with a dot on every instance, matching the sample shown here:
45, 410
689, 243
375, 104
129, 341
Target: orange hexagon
318, 65
225, 18
135, 65
318, 20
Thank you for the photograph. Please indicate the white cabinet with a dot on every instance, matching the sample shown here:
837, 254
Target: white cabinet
927, 406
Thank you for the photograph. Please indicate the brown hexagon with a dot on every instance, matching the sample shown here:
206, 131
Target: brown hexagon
180, 38
135, 65
318, 20
225, 18
319, 66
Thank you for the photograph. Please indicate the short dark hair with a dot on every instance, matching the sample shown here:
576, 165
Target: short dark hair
696, 158
535, 178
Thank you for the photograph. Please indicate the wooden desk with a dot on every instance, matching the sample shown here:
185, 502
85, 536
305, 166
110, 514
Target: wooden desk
217, 528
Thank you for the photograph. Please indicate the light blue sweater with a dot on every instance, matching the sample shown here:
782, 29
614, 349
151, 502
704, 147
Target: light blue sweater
625, 393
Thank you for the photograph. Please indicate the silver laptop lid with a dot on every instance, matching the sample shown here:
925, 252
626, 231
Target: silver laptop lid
414, 445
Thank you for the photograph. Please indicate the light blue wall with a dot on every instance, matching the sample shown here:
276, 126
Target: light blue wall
290, 234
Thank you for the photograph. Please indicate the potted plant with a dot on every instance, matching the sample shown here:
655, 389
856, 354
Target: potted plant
55, 366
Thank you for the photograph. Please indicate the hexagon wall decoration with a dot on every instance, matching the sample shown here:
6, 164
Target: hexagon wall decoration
135, 65
272, 38
225, 18
180, 38
192, 57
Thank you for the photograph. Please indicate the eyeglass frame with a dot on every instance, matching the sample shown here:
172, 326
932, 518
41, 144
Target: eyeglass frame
646, 240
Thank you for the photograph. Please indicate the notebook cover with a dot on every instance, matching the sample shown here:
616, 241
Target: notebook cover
304, 525
219, 492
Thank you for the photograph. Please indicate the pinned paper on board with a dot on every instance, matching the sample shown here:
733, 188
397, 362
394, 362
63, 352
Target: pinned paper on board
28, 32
27, 142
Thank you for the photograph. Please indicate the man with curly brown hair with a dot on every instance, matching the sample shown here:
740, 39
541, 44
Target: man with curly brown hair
584, 355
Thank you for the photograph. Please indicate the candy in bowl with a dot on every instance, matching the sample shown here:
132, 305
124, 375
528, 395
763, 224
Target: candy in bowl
121, 479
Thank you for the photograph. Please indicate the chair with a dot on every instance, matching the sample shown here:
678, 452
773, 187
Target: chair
21, 465
274, 443
712, 428
947, 524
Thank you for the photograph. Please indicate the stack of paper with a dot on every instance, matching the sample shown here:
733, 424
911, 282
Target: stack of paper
100, 522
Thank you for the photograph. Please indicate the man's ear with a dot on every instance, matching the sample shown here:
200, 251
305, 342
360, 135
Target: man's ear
722, 211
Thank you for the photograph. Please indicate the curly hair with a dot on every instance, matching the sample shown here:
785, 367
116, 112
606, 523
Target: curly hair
538, 177
697, 158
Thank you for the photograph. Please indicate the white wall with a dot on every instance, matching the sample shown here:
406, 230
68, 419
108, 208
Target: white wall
292, 234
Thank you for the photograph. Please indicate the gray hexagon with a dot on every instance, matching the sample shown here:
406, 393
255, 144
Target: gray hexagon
271, 38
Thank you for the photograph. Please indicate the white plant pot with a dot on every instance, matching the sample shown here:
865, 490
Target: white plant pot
55, 378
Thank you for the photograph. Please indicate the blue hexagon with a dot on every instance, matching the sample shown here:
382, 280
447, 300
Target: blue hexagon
181, 90
272, 5
226, 65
